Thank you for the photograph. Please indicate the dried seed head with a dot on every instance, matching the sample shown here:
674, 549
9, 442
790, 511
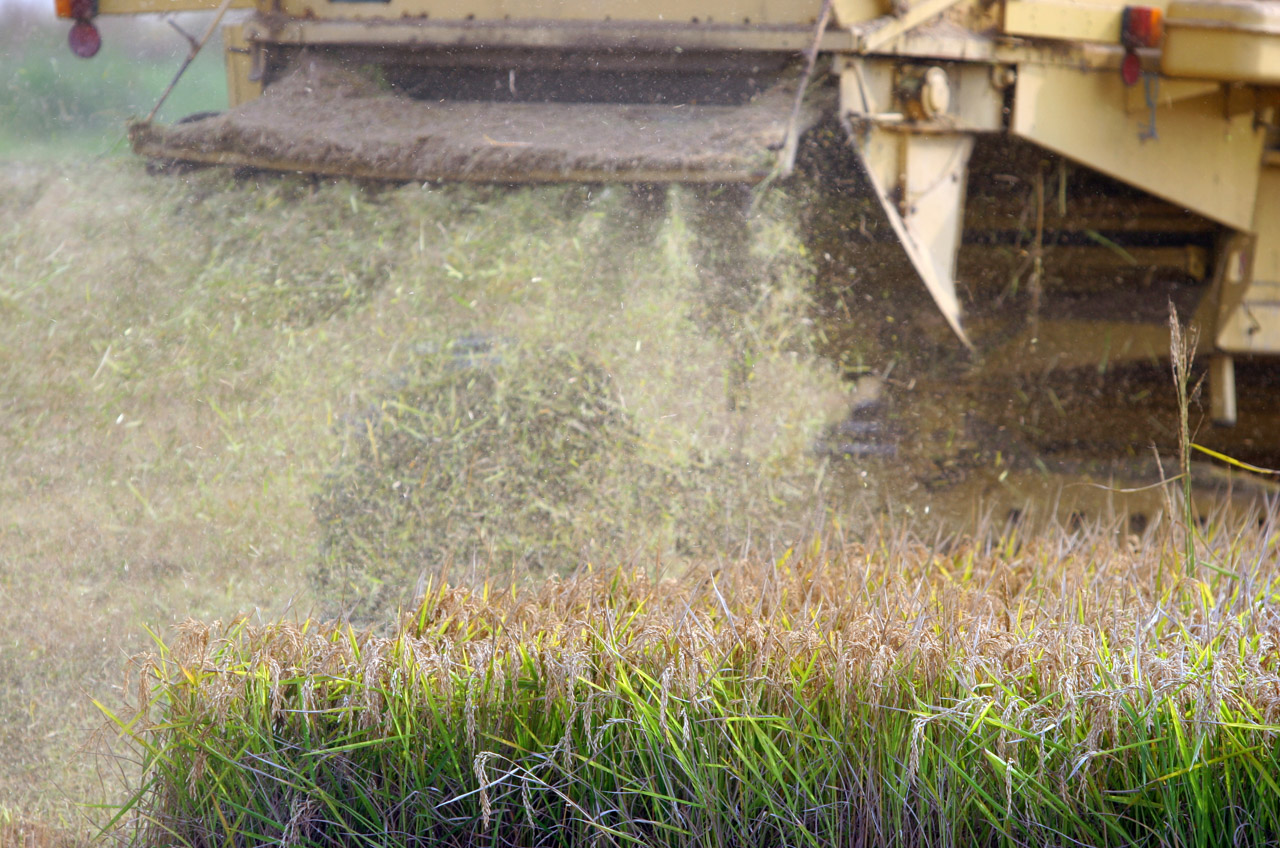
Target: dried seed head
527, 803
303, 813
470, 709
1008, 786
913, 756
478, 766
663, 695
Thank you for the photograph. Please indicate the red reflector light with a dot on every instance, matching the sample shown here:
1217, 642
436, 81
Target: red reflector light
84, 39
1131, 68
62, 8
1141, 26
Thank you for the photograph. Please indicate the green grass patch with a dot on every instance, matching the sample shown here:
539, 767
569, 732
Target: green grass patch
54, 105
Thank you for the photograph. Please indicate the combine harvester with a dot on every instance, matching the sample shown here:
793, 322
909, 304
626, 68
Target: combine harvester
1176, 100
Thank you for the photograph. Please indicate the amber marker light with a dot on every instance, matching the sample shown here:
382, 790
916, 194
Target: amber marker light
1140, 27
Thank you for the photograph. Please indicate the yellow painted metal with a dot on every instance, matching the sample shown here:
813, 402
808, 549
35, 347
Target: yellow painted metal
1166, 92
562, 35
1249, 288
986, 44
879, 32
755, 12
1066, 20
919, 179
853, 12
916, 158
135, 7
241, 87
934, 42
1197, 157
1222, 390
1230, 98
869, 87
1233, 40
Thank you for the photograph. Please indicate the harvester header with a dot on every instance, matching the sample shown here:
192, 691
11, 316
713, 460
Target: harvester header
1175, 98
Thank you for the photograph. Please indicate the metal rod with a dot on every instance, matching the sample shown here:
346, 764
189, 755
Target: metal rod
791, 140
194, 51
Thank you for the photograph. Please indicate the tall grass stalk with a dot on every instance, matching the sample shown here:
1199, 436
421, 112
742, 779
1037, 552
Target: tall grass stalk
880, 694
1182, 348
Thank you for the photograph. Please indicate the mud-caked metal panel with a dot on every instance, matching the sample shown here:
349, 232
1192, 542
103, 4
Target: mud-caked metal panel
323, 118
1190, 152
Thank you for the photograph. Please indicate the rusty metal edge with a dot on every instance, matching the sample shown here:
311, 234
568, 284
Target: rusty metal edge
159, 151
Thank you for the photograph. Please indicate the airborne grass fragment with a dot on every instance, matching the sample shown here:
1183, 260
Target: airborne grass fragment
878, 694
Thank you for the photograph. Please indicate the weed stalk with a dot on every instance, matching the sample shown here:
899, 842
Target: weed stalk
1182, 348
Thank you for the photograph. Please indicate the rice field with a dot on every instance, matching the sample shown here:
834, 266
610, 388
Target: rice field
1056, 690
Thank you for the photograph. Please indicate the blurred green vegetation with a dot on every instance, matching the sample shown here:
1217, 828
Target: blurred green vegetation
224, 392
55, 104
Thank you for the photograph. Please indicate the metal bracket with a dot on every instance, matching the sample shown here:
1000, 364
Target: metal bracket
920, 179
873, 35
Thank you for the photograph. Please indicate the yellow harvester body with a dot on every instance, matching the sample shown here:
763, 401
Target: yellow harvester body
1177, 99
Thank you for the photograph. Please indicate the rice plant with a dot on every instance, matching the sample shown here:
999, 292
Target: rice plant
883, 692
